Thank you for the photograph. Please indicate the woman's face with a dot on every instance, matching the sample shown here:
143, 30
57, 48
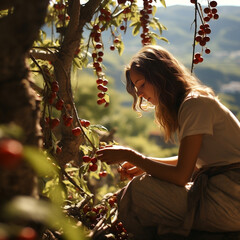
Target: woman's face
143, 87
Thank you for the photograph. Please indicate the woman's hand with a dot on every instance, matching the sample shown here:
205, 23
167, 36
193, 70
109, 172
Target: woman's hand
128, 171
116, 154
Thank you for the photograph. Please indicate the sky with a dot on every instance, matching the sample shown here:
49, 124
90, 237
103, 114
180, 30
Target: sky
203, 2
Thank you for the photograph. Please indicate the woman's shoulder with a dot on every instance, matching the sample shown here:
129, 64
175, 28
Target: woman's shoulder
197, 100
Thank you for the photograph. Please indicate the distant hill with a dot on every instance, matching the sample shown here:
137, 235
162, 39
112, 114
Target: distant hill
220, 67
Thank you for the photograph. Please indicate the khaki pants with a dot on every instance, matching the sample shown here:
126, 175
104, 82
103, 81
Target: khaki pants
149, 207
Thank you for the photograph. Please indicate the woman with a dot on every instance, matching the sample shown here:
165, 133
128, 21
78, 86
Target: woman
159, 199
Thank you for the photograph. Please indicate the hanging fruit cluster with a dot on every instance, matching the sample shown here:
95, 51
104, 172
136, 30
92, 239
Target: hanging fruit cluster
62, 16
202, 37
91, 215
54, 100
100, 24
144, 19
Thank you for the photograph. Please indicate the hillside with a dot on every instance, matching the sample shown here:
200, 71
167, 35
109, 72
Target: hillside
220, 67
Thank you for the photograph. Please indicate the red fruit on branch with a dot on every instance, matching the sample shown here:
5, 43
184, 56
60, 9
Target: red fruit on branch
102, 88
202, 43
207, 51
58, 150
93, 167
112, 47
98, 45
207, 10
54, 123
101, 94
68, 121
94, 55
197, 55
105, 82
208, 31
85, 123
214, 11
213, 3
100, 54
102, 174
52, 97
99, 59
86, 159
112, 200
200, 59
106, 104
76, 131
47, 120
198, 38
93, 160
206, 39
55, 86
122, 27
59, 104
11, 153
99, 81
101, 101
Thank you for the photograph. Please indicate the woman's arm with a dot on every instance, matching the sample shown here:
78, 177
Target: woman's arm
178, 174
168, 160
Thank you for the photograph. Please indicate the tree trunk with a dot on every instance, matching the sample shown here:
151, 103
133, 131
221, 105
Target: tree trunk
19, 104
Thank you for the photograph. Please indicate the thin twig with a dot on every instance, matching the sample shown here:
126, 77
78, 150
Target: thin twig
195, 33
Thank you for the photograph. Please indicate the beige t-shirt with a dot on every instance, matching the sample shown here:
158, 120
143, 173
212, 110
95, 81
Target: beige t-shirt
206, 115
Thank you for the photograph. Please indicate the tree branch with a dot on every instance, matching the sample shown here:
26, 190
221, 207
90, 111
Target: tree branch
43, 55
88, 11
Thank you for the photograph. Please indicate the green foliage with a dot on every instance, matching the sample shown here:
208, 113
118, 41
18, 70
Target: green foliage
27, 208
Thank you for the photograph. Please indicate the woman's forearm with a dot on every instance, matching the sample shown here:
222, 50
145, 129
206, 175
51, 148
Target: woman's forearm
168, 160
162, 168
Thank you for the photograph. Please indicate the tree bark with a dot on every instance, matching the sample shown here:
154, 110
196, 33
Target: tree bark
19, 104
79, 16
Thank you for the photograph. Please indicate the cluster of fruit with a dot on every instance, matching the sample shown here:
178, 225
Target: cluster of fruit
145, 12
202, 37
92, 165
97, 56
54, 99
93, 214
60, 9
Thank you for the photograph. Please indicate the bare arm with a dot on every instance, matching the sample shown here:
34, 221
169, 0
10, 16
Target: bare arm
179, 174
168, 160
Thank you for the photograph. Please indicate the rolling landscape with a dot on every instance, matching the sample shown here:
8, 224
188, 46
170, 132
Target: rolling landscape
219, 69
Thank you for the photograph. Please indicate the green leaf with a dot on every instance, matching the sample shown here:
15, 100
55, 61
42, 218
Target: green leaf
94, 138
11, 130
160, 26
154, 10
98, 127
42, 164
28, 208
136, 28
120, 48
77, 62
163, 3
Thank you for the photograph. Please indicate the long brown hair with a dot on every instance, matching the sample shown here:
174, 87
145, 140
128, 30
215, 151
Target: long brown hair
171, 80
